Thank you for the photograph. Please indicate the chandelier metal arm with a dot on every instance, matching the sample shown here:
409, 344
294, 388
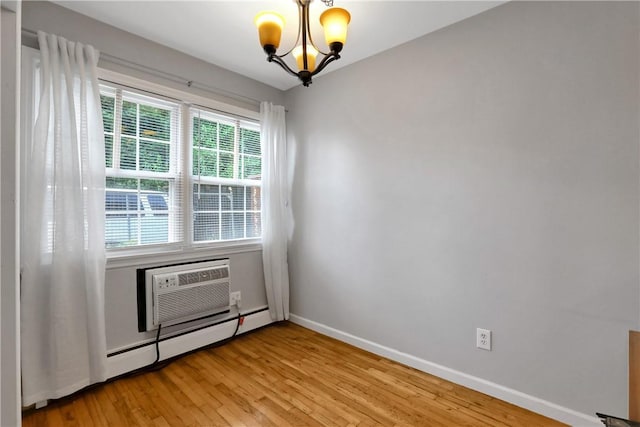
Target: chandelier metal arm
304, 76
329, 58
307, 28
304, 23
278, 60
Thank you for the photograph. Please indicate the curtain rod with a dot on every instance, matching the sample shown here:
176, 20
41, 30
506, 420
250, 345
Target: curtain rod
168, 76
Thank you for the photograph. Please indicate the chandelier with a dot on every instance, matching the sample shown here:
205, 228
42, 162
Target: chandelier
334, 21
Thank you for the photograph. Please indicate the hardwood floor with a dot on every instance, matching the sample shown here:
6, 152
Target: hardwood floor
282, 375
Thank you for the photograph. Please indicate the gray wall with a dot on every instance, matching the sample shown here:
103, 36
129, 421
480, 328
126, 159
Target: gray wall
46, 16
485, 175
120, 286
9, 250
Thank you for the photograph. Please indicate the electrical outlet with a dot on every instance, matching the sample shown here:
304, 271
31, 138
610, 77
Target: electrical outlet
483, 339
235, 298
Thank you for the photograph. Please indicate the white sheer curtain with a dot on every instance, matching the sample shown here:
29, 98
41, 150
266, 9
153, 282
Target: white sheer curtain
62, 253
275, 209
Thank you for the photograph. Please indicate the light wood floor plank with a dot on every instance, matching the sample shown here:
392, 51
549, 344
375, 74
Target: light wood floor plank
279, 376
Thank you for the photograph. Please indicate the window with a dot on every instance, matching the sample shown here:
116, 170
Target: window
226, 173
151, 162
142, 197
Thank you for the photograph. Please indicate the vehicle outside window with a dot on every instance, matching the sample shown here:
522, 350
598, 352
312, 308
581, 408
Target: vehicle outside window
135, 218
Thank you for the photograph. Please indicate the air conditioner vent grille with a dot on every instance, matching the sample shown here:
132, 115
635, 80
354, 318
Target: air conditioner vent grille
200, 276
191, 301
181, 293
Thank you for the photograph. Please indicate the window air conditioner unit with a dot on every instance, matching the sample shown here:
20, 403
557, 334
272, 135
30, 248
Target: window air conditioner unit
180, 293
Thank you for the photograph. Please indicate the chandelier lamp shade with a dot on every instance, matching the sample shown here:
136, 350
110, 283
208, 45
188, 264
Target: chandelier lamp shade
334, 22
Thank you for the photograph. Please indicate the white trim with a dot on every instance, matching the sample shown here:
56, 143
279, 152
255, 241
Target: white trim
140, 357
134, 258
498, 391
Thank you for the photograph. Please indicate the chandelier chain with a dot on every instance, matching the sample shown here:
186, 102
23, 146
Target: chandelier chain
329, 3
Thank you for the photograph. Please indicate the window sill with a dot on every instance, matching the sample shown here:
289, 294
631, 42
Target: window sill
169, 254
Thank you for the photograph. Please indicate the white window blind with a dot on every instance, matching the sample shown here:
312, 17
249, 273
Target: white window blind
167, 185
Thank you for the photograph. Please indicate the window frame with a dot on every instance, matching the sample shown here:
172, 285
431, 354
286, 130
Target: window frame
187, 248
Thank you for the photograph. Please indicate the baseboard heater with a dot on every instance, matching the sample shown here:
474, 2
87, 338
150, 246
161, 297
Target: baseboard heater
180, 293
124, 360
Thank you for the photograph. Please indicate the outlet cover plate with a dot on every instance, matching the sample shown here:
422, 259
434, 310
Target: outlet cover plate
483, 339
234, 297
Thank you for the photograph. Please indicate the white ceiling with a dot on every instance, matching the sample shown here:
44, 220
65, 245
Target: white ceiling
223, 32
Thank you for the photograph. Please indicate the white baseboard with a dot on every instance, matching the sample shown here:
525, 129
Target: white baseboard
498, 391
137, 358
